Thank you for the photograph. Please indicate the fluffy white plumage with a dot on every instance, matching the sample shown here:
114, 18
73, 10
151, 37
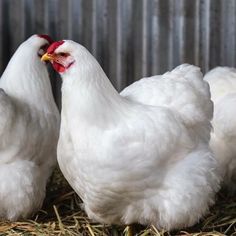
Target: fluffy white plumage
142, 155
29, 129
222, 82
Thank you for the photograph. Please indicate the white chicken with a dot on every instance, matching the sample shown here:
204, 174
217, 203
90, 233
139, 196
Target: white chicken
222, 82
140, 156
29, 130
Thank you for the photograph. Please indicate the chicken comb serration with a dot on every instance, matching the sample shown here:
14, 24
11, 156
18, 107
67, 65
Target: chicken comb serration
54, 46
47, 37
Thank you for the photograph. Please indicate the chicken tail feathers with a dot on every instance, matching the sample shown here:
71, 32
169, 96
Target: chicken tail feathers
194, 99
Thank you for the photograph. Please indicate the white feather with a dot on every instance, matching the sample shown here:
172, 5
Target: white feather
222, 82
138, 156
29, 127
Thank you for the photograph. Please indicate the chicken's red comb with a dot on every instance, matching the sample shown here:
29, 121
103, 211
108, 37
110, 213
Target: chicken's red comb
54, 46
47, 37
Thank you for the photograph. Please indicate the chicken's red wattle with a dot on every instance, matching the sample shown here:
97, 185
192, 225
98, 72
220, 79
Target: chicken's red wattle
58, 67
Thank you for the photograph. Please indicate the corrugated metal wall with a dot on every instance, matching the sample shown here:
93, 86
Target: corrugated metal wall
130, 38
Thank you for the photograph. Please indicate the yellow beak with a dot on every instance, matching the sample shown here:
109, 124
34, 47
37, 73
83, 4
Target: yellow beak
47, 57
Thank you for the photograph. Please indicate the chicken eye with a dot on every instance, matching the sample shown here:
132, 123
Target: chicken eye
63, 54
42, 50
